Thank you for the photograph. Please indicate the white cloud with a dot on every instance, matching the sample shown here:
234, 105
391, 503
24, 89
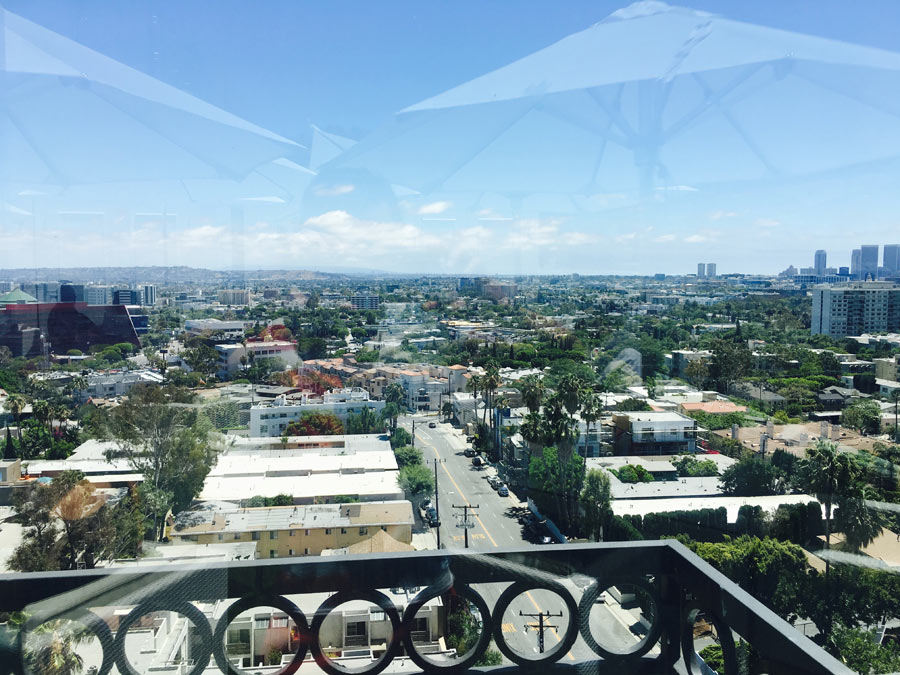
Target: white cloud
434, 208
624, 238
335, 190
663, 238
678, 188
718, 215
767, 222
269, 199
696, 239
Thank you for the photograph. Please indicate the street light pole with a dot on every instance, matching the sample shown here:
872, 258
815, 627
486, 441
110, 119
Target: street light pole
465, 521
437, 503
541, 627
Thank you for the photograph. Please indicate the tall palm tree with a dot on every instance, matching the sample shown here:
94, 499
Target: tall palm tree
570, 390
533, 431
42, 412
52, 652
532, 392
591, 412
895, 397
474, 386
829, 474
16, 404
490, 383
856, 520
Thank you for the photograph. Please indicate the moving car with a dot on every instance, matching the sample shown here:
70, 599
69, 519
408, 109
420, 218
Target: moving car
432, 425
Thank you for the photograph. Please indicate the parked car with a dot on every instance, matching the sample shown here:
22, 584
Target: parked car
432, 425
431, 517
470, 452
503, 491
477, 461
469, 439
494, 482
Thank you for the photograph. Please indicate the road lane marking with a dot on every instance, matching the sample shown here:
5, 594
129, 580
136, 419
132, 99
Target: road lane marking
508, 628
461, 493
468, 503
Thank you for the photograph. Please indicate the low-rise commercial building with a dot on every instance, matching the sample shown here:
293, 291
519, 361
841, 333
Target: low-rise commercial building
288, 531
216, 329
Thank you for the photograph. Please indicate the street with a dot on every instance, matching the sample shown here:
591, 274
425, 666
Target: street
495, 525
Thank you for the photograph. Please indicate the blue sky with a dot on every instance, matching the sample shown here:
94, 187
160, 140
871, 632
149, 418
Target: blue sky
347, 67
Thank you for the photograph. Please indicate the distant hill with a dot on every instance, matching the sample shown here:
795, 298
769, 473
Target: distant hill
167, 275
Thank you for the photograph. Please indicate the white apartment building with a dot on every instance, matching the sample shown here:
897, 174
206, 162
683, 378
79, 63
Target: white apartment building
653, 433
230, 354
855, 308
116, 383
271, 419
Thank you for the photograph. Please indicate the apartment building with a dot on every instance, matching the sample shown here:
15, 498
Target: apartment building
288, 531
234, 296
888, 369
363, 301
653, 433
855, 308
230, 355
271, 419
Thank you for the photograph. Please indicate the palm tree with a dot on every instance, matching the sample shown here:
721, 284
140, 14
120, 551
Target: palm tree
490, 383
829, 474
473, 386
532, 392
52, 650
43, 412
895, 397
16, 404
591, 412
569, 390
447, 409
532, 430
856, 520
393, 393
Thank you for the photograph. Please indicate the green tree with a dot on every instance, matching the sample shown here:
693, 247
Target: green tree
366, 421
447, 409
861, 652
165, 443
389, 414
828, 474
9, 448
407, 455
859, 523
401, 437
202, 358
749, 477
864, 416
52, 648
696, 371
633, 405
416, 481
595, 502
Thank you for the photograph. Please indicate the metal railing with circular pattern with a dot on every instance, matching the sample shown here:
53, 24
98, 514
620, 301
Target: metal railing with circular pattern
675, 585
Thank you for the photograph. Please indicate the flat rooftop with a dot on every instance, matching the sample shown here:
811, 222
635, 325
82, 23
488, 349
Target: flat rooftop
370, 486
220, 520
641, 507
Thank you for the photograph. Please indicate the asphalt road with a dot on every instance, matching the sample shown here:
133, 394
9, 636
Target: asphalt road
495, 525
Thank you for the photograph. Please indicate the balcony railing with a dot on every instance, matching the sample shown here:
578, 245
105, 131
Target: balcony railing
677, 588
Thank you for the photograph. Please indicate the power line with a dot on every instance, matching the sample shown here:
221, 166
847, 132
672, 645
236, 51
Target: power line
541, 627
465, 523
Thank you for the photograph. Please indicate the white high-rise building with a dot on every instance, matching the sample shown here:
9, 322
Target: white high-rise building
710, 270
855, 308
98, 295
701, 270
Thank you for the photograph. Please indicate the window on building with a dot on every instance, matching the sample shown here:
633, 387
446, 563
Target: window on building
260, 622
364, 530
279, 622
273, 553
327, 530
254, 536
306, 551
343, 530
273, 534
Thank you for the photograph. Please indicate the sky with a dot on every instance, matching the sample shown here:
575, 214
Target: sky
792, 157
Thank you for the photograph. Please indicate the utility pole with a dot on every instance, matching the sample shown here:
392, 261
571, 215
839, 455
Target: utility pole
414, 434
437, 503
465, 523
541, 626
